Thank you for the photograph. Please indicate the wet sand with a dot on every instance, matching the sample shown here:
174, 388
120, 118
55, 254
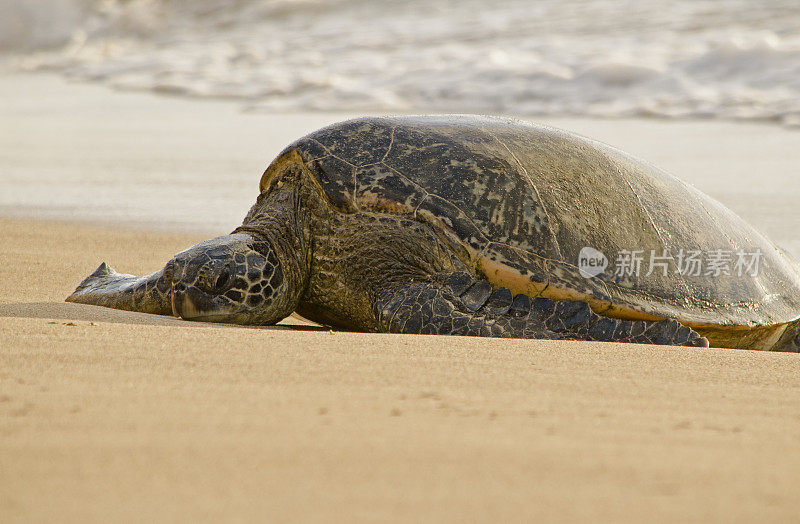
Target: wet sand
109, 415
80, 152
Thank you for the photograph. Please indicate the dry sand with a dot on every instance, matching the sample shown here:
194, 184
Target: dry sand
108, 415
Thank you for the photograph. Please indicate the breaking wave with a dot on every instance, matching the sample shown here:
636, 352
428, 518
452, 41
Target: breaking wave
734, 59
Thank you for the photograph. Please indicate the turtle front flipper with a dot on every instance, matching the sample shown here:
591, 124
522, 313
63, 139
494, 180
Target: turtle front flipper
106, 287
459, 305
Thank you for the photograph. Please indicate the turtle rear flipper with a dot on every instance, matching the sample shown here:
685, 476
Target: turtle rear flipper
103, 271
790, 340
106, 287
463, 306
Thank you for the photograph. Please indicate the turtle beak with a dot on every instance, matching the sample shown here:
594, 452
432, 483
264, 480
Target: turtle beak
182, 305
189, 303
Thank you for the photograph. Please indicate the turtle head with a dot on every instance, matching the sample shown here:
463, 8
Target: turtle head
237, 279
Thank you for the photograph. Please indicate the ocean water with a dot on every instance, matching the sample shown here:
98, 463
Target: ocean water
729, 59
732, 59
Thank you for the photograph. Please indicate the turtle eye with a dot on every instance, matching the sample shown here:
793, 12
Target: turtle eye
223, 278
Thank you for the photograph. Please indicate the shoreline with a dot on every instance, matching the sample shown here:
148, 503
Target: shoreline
157, 162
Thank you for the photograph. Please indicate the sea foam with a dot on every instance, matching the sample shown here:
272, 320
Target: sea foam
731, 59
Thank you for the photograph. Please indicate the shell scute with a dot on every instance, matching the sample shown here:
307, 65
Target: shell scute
359, 142
471, 172
382, 188
335, 176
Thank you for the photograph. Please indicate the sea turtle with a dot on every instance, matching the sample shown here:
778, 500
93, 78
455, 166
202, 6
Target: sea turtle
468, 225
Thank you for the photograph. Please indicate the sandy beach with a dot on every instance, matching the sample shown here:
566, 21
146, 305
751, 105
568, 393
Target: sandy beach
108, 415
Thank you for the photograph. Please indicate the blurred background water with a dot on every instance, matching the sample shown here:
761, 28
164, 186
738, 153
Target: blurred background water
730, 59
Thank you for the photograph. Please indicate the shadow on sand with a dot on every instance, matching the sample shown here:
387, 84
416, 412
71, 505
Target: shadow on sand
83, 313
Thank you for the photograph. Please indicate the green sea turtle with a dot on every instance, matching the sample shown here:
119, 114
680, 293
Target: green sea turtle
469, 225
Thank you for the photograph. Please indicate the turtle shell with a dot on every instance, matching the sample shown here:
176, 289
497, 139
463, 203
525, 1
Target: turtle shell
528, 201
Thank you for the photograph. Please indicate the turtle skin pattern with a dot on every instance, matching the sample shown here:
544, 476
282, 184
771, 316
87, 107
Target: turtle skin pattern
460, 305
